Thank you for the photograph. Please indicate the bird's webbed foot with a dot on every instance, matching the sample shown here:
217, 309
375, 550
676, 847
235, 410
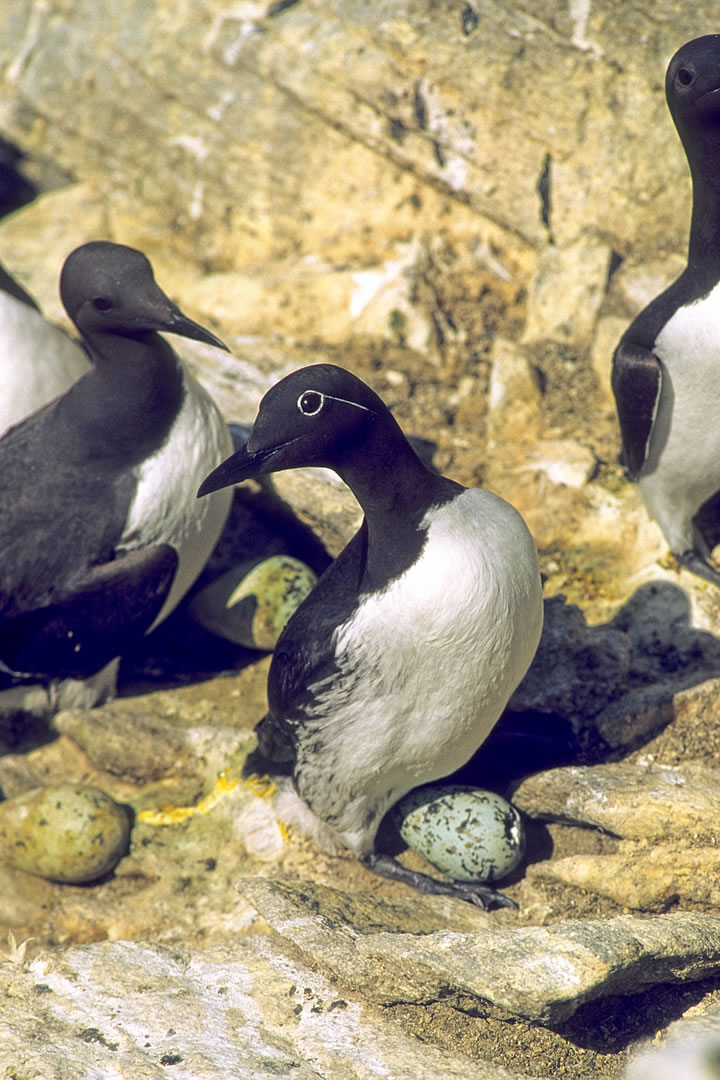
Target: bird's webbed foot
483, 896
697, 564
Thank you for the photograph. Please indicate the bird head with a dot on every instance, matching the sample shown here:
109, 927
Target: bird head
109, 288
314, 416
692, 84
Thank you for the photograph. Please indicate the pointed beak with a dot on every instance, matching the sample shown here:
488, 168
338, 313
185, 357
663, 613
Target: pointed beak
242, 465
177, 323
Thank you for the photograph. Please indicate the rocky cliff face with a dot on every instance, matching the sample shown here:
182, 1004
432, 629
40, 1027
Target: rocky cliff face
208, 121
465, 203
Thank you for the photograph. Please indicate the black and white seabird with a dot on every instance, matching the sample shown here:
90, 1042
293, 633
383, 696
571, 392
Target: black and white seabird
38, 361
666, 369
100, 531
395, 668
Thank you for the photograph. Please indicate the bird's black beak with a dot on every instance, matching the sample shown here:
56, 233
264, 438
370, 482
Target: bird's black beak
177, 323
242, 465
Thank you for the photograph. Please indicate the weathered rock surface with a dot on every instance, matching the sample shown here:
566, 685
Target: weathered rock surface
629, 721
410, 213
650, 802
403, 100
300, 995
624, 680
542, 973
466, 204
647, 878
577, 669
667, 817
179, 885
249, 1009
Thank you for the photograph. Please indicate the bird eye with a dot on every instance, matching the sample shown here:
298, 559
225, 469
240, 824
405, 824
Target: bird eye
310, 402
685, 76
100, 303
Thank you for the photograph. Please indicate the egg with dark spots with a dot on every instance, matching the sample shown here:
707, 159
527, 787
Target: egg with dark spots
71, 833
468, 833
251, 603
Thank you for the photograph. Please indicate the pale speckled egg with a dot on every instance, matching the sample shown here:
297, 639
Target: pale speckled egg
251, 603
469, 833
71, 833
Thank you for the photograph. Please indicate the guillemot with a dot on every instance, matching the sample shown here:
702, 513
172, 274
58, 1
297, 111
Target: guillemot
38, 361
666, 368
100, 532
393, 671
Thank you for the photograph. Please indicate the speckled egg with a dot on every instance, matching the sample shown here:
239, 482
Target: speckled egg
71, 833
251, 603
469, 833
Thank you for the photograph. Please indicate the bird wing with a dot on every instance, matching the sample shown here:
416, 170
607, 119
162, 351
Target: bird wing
305, 653
61, 513
636, 383
93, 621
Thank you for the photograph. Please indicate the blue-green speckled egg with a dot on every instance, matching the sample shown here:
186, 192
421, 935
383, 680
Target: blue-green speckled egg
468, 833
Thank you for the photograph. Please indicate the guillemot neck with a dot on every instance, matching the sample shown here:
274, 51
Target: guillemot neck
704, 240
127, 402
395, 490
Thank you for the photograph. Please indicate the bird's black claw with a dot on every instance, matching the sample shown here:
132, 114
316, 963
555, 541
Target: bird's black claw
482, 896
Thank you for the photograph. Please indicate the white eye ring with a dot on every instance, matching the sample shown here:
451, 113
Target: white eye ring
310, 402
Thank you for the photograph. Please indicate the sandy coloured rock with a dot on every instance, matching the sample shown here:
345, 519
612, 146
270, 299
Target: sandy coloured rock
635, 801
249, 1010
644, 878
544, 973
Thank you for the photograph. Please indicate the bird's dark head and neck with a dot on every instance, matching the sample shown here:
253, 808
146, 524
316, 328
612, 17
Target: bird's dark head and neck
134, 389
324, 416
692, 87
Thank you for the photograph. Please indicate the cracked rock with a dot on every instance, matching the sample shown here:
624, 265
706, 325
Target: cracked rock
649, 802
540, 973
641, 877
666, 815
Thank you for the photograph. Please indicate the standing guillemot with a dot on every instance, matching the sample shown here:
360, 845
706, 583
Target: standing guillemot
38, 360
666, 369
393, 671
100, 533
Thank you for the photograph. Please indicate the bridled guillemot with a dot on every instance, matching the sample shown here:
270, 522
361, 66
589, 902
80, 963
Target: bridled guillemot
666, 369
393, 671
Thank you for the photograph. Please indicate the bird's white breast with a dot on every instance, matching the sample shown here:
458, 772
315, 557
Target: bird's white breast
37, 361
428, 664
683, 465
165, 508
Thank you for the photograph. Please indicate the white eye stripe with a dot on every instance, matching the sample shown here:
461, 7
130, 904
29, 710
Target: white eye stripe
302, 402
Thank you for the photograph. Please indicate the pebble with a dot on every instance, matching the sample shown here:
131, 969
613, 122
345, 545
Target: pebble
564, 461
468, 833
70, 833
251, 603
